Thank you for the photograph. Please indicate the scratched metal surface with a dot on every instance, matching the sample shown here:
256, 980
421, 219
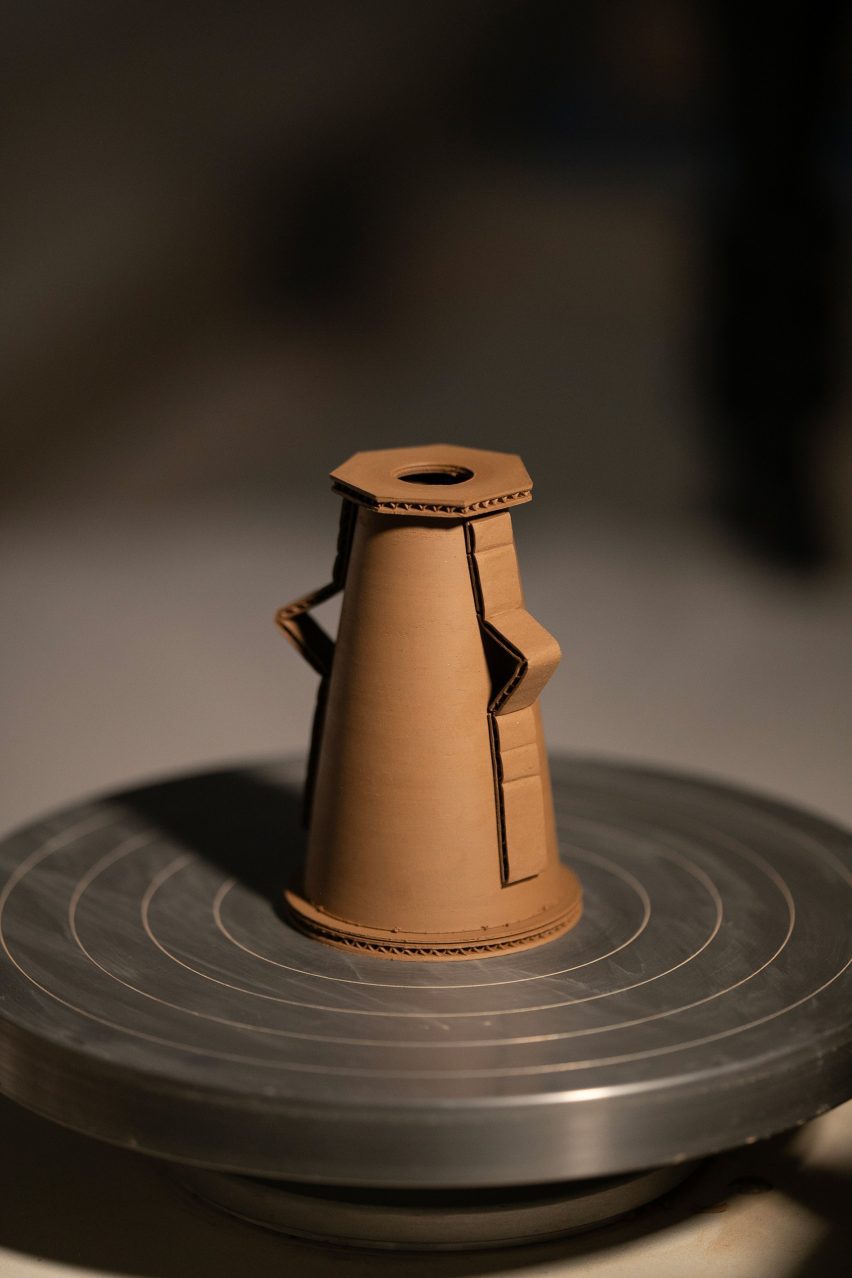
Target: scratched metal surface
152, 995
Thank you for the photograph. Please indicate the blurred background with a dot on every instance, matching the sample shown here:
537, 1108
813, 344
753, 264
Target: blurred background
240, 242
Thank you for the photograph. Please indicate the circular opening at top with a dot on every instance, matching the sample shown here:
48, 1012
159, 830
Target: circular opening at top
436, 475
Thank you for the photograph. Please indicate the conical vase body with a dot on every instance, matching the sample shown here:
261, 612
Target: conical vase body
431, 818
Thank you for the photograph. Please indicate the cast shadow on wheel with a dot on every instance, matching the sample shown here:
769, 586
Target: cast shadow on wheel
240, 821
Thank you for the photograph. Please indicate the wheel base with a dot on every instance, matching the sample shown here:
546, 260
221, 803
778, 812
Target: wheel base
430, 1220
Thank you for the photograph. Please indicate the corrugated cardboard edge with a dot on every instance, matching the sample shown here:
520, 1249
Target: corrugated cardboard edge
545, 926
433, 508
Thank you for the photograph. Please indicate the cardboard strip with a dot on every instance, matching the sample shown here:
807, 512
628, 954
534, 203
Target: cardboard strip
314, 643
306, 635
523, 656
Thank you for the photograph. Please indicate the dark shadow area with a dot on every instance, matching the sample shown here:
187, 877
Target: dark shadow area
774, 274
241, 821
827, 1193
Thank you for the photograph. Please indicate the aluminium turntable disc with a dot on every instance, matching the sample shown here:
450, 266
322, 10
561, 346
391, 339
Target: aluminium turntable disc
152, 995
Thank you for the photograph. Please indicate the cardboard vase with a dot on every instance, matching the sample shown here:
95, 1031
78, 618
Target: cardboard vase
428, 799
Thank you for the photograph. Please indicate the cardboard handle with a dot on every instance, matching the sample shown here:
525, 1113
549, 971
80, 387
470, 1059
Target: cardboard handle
306, 635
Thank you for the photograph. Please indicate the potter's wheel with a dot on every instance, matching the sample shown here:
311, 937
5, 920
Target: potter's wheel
152, 996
